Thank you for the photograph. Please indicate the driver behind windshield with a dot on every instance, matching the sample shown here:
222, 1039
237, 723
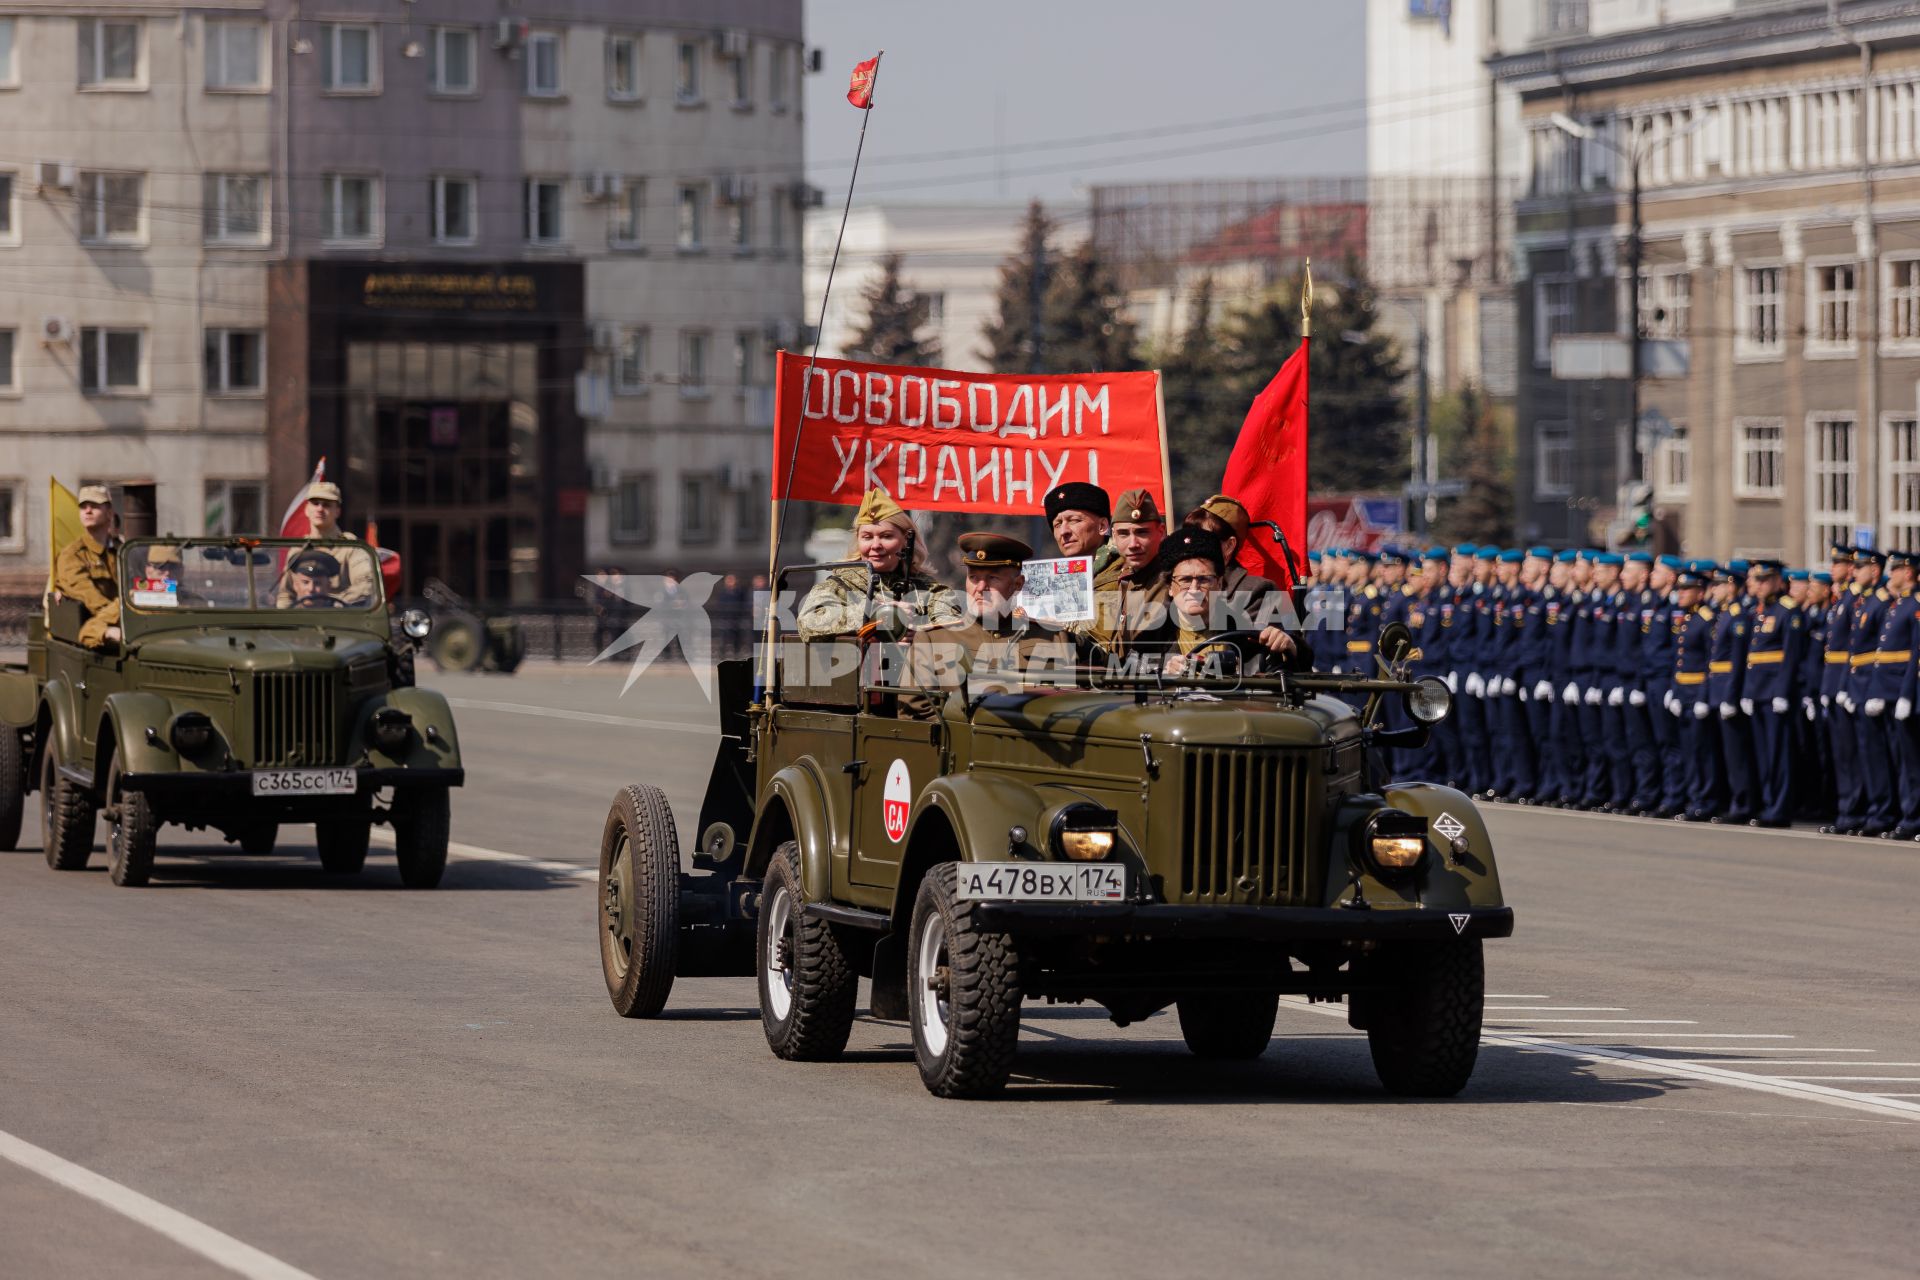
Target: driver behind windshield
311, 583
1195, 566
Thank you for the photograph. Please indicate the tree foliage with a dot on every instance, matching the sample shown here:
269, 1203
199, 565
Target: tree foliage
1057, 312
896, 317
1475, 440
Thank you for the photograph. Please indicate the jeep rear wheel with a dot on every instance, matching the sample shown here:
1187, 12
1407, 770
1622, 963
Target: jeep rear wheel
963, 994
808, 987
66, 816
422, 826
639, 901
13, 787
133, 835
1425, 1033
342, 839
1228, 1025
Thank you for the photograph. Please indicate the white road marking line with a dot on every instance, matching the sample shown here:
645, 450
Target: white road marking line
585, 717
1897, 1095
1751, 1048
479, 853
1869, 1079
1517, 997
1788, 1062
1645, 1022
190, 1233
1569, 1008
1657, 1035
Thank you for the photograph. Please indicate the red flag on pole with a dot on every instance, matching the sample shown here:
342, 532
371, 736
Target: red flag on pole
1268, 469
860, 88
294, 523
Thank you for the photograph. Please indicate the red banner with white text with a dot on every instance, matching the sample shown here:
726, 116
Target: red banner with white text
942, 440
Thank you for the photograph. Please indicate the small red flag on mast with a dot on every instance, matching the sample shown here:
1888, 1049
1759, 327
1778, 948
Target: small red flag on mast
860, 88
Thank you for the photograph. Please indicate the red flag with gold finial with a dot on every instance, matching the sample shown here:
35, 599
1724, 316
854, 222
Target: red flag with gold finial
860, 89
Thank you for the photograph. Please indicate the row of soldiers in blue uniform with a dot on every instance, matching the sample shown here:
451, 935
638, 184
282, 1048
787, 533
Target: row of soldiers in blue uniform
1629, 683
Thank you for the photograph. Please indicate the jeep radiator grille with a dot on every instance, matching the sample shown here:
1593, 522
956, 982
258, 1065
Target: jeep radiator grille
1249, 817
294, 719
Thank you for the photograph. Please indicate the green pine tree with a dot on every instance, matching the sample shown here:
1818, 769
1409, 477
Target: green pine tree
1201, 425
1016, 337
1475, 440
896, 315
1086, 326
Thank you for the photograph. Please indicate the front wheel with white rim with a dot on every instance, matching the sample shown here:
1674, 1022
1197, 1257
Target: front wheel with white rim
963, 994
808, 986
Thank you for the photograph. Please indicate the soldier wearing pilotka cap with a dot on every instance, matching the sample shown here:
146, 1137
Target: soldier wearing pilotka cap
84, 569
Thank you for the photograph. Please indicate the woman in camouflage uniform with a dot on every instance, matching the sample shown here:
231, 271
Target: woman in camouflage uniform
905, 594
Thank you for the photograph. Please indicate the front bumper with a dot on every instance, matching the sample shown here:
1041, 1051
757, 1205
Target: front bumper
1275, 924
236, 786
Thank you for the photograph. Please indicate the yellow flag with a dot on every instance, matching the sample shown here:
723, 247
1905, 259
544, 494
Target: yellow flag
63, 523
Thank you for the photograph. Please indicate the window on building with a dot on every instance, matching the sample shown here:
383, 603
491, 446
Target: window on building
740, 225
779, 77
236, 54
112, 207
630, 376
1552, 460
1554, 156
9, 220
349, 58
1759, 332
1552, 314
1833, 480
626, 226
1900, 290
455, 67
699, 508
236, 361
1761, 128
1760, 457
686, 73
777, 220
1666, 303
936, 307
741, 72
9, 379
631, 518
623, 68
690, 216
746, 358
111, 360
1833, 302
1829, 128
1673, 464
544, 211
109, 53
750, 510
693, 362
234, 208
455, 217
9, 66
235, 507
543, 64
1900, 464
351, 208
13, 515
1898, 109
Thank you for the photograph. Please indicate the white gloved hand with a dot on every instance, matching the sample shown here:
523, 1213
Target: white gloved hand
1593, 697
1845, 700
1637, 698
1544, 690
1507, 686
1570, 694
1453, 681
1727, 710
1616, 696
1825, 701
1700, 710
1523, 693
1671, 702
1779, 706
1746, 706
1806, 704
1475, 685
1876, 706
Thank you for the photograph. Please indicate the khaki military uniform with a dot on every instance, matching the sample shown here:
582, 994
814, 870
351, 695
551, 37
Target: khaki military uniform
354, 586
839, 606
83, 571
966, 656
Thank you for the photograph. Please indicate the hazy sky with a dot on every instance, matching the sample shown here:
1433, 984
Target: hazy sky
1188, 72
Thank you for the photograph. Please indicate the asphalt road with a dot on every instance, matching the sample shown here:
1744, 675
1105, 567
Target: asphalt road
1704, 1059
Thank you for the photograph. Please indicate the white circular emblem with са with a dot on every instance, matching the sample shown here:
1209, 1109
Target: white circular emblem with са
895, 800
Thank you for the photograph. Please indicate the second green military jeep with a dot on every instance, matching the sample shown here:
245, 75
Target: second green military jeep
1208, 842
254, 683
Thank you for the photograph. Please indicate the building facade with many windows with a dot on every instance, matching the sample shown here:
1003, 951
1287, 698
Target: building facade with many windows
516, 272
1778, 151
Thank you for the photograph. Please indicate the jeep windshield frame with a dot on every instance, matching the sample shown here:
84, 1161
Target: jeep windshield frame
231, 582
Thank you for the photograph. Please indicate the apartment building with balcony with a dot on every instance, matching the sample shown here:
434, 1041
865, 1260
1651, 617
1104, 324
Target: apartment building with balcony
1778, 151
516, 271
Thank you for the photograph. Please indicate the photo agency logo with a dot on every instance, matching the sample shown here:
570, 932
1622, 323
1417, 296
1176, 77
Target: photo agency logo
674, 611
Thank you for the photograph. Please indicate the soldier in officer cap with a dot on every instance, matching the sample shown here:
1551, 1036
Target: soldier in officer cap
356, 569
994, 644
312, 580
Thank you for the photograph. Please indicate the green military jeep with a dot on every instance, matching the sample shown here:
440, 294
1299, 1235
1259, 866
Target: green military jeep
254, 682
1208, 841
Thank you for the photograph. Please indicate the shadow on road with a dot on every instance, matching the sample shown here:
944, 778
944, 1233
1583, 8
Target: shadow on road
187, 870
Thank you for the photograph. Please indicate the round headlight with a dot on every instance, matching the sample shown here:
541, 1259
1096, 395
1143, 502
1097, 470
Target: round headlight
1429, 700
1084, 832
416, 624
390, 727
192, 730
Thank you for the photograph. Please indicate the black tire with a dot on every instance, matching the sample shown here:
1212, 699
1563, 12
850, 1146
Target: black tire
422, 825
639, 901
1227, 1026
457, 644
808, 986
1425, 1035
258, 838
965, 1043
66, 815
342, 839
131, 837
13, 787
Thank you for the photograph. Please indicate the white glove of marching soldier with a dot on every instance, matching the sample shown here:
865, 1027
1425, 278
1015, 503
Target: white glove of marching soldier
1637, 698
1593, 697
1475, 685
1903, 708
1700, 710
1806, 705
1671, 702
1523, 692
1779, 706
1825, 701
1845, 700
1616, 696
1543, 692
1507, 687
1570, 694
1727, 710
1875, 706
1453, 681
1746, 706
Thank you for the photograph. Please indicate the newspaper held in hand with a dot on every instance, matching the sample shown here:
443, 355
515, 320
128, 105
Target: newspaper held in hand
1058, 590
